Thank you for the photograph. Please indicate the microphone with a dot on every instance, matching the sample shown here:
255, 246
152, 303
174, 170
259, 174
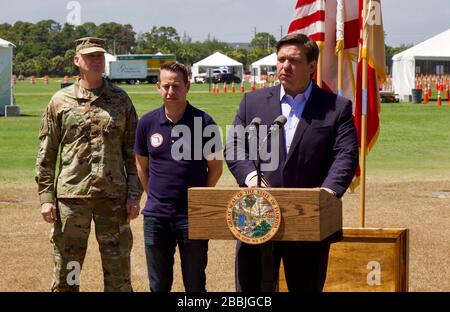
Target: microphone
254, 124
279, 122
253, 128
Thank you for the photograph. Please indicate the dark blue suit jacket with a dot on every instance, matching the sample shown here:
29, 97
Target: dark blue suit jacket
323, 152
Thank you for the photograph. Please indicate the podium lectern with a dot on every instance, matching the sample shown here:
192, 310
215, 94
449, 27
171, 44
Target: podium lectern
306, 214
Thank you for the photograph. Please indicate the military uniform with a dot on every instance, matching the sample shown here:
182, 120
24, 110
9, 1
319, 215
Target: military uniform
94, 131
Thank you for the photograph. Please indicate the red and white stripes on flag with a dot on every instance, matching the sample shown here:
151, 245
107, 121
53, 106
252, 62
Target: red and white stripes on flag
337, 25
326, 27
309, 19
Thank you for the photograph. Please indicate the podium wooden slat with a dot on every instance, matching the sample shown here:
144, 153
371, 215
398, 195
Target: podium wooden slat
306, 214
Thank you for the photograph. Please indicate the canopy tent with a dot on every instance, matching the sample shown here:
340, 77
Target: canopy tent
435, 49
269, 61
6, 55
217, 59
108, 59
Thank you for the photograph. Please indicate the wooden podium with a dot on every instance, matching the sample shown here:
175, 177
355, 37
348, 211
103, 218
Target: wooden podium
365, 260
306, 214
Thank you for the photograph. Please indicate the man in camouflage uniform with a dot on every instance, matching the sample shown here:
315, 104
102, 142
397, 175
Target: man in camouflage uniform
93, 124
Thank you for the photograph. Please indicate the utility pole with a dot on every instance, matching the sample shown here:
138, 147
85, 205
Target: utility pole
281, 31
255, 31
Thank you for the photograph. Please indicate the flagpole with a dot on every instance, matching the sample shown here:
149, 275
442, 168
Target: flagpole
319, 65
362, 161
340, 75
340, 44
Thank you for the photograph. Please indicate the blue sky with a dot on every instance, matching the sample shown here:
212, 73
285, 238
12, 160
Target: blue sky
405, 21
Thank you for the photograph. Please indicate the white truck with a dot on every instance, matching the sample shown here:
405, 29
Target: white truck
126, 71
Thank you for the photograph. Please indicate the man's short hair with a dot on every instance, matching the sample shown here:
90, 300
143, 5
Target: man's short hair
175, 67
312, 50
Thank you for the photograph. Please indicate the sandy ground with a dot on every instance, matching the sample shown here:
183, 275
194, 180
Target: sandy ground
421, 206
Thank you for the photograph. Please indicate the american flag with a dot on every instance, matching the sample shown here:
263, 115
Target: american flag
317, 20
340, 22
309, 19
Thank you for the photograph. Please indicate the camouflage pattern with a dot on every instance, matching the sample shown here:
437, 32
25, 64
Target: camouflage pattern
95, 132
70, 238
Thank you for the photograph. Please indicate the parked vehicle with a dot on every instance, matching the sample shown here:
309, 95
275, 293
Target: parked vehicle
228, 78
126, 71
151, 62
200, 78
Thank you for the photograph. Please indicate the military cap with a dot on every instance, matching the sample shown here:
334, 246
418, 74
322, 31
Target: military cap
88, 45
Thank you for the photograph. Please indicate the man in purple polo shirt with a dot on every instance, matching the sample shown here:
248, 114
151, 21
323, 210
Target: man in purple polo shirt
172, 154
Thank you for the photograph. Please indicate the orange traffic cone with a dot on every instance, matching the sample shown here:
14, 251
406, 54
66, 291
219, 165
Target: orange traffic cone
252, 87
446, 92
439, 100
425, 96
429, 90
46, 79
233, 88
242, 87
213, 88
224, 87
217, 88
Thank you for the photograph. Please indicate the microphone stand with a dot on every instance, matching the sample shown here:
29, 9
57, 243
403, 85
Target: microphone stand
258, 161
262, 149
268, 274
254, 136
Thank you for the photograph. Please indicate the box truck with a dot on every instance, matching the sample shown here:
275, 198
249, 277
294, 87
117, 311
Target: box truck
153, 64
126, 71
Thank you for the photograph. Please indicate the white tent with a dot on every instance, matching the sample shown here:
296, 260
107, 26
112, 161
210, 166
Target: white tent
436, 48
6, 54
108, 59
216, 59
269, 61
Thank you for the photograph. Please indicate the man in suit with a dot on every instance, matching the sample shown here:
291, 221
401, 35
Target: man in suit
317, 148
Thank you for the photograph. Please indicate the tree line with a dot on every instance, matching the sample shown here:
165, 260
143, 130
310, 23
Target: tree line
48, 48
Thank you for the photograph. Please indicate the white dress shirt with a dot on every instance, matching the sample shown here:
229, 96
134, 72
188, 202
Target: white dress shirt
292, 109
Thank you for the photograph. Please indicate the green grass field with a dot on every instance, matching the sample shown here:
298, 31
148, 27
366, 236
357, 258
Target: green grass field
414, 139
